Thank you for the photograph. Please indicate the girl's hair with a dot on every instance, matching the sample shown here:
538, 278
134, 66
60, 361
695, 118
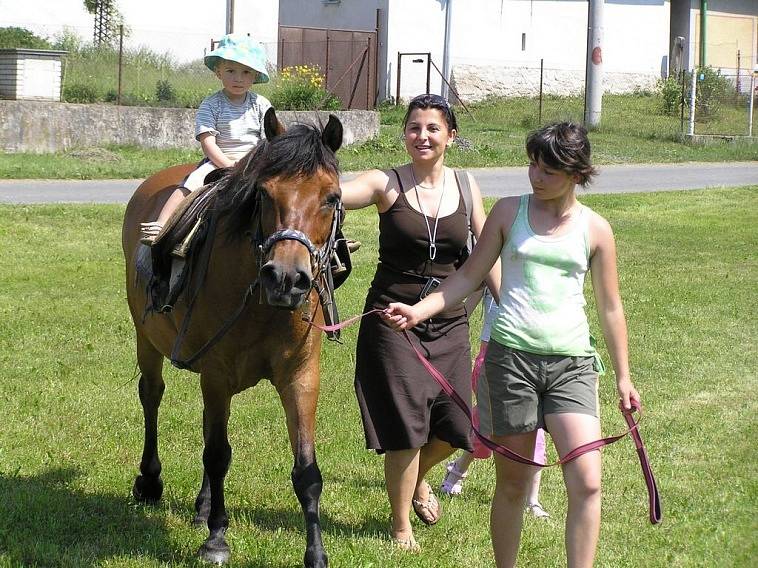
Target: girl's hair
563, 146
432, 101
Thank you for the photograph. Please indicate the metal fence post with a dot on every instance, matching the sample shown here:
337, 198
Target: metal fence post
692, 102
751, 106
120, 61
542, 66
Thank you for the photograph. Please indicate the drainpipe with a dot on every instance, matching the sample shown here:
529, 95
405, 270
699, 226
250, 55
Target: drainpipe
593, 82
229, 16
446, 49
703, 18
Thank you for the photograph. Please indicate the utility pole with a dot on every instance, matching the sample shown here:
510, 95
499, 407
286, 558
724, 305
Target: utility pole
593, 83
229, 16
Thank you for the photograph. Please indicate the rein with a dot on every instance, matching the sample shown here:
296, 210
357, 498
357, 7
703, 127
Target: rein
633, 427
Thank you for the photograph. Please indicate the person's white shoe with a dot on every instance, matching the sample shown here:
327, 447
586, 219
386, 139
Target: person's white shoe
537, 511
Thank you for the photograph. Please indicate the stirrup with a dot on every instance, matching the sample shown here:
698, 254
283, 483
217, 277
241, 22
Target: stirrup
149, 232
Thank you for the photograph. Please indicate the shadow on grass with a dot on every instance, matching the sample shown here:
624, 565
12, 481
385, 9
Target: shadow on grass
46, 521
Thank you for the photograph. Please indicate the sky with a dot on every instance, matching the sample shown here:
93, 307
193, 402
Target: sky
183, 28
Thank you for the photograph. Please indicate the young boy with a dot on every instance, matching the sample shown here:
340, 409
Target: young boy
228, 124
541, 364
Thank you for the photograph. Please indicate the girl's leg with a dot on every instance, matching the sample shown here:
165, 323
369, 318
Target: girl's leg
582, 478
464, 461
401, 470
511, 488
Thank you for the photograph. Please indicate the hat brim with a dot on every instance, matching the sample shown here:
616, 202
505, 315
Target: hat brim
211, 61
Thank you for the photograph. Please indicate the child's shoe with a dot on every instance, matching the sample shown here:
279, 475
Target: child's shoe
537, 511
453, 482
148, 232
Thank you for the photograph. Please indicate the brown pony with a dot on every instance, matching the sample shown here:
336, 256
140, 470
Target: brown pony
285, 197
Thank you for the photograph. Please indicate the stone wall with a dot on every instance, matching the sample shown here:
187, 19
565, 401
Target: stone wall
33, 126
476, 82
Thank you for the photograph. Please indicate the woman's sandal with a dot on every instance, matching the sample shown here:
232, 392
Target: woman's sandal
428, 511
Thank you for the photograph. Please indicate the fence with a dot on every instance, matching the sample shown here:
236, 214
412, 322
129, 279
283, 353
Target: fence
724, 104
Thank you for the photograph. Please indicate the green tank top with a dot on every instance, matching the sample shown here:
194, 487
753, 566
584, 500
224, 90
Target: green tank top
542, 291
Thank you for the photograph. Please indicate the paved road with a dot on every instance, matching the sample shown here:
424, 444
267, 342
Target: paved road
493, 181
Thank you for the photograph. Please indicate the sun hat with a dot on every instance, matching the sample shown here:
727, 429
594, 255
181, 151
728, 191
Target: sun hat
240, 49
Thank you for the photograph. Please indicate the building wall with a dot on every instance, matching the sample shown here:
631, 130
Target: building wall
497, 48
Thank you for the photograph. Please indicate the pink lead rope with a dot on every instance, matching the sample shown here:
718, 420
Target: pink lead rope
633, 427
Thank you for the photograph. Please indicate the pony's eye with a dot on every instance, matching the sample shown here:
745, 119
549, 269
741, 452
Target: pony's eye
332, 200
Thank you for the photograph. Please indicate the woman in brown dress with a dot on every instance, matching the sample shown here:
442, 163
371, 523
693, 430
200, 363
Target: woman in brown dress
423, 233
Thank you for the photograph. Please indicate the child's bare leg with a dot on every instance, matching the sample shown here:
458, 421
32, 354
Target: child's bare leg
582, 478
464, 461
511, 488
171, 203
534, 488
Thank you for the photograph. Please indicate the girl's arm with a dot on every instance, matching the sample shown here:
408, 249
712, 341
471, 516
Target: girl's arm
610, 310
478, 218
212, 151
367, 189
461, 283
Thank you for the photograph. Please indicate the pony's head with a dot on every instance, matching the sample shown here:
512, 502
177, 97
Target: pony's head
286, 195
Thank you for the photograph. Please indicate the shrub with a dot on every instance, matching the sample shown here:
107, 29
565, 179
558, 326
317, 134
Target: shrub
164, 92
302, 88
79, 93
670, 91
713, 89
13, 37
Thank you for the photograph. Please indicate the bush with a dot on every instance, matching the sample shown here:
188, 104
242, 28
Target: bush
21, 38
301, 88
713, 89
164, 92
79, 93
670, 91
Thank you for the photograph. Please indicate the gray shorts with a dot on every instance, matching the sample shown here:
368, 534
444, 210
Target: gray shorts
517, 389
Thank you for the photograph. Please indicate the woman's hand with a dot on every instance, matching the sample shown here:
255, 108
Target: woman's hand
628, 395
400, 316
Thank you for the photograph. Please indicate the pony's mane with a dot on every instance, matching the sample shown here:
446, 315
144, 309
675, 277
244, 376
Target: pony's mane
298, 152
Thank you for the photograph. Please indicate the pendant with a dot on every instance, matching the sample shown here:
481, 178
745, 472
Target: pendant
432, 251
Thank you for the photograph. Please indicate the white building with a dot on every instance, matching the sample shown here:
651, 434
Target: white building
181, 28
497, 46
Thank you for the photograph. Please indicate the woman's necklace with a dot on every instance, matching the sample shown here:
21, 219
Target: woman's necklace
432, 233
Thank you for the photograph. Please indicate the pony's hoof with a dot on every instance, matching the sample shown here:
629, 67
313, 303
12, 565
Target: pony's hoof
147, 489
215, 551
315, 559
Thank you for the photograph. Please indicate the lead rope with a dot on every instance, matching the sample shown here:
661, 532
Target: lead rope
633, 426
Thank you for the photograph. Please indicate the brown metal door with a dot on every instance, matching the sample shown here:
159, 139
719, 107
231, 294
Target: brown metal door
346, 58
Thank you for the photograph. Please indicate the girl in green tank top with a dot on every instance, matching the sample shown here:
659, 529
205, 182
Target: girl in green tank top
546, 242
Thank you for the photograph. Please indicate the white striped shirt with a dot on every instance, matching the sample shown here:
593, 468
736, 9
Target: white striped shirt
237, 128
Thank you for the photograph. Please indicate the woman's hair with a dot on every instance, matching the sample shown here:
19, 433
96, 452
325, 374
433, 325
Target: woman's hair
432, 101
563, 146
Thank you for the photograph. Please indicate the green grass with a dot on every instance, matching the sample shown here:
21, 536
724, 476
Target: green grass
634, 130
71, 441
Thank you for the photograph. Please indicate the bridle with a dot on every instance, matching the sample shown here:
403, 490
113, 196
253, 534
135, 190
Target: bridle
321, 279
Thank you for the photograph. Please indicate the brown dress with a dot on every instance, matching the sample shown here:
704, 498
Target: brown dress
401, 405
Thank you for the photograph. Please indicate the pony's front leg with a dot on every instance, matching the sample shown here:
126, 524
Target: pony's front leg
299, 401
217, 455
148, 486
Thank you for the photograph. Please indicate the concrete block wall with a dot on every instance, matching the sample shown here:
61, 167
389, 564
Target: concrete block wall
40, 127
476, 82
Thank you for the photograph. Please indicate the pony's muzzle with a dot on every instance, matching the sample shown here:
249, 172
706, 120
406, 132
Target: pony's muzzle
285, 287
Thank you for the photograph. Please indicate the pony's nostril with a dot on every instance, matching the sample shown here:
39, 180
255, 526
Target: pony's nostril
302, 280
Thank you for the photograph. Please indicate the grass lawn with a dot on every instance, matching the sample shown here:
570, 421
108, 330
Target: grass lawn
634, 130
71, 443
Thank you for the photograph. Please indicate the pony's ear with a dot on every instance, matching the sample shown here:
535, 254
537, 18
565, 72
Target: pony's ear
271, 125
332, 135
